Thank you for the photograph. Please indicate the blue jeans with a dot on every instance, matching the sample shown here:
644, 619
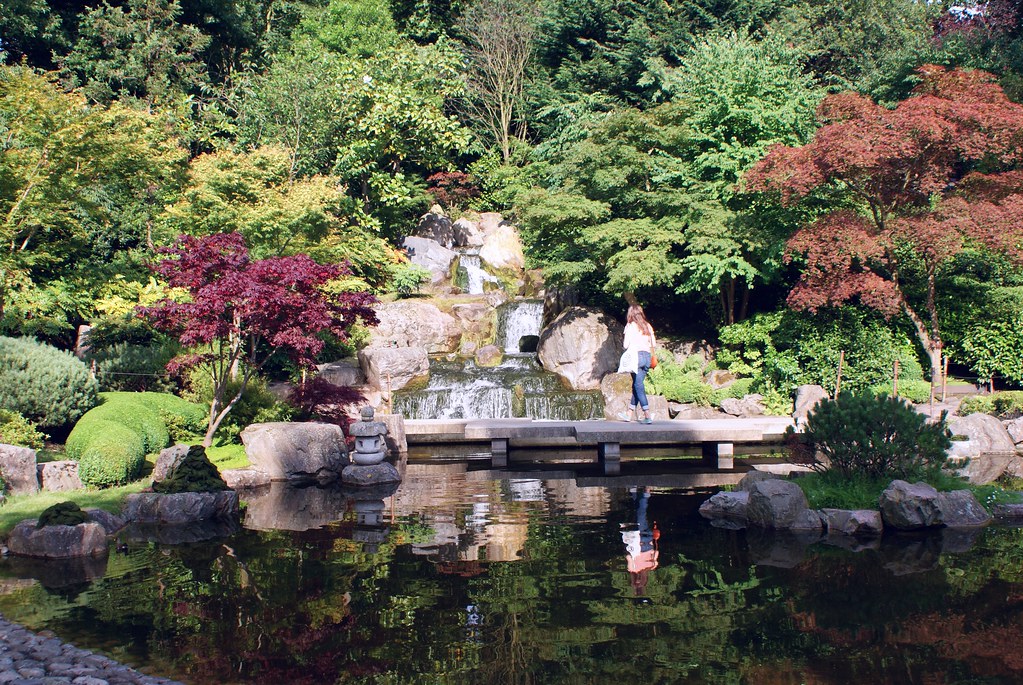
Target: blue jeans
638, 391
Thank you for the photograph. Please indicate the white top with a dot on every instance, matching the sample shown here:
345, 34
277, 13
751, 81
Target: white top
636, 341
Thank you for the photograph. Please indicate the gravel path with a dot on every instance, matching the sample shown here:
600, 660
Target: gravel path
28, 658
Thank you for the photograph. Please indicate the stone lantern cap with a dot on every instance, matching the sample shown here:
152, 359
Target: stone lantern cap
367, 427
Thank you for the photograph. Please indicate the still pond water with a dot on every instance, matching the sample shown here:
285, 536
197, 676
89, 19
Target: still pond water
477, 576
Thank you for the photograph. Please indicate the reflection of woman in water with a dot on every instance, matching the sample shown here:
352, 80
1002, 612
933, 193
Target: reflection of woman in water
640, 543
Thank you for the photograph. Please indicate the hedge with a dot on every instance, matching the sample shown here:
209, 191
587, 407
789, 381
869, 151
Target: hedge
112, 440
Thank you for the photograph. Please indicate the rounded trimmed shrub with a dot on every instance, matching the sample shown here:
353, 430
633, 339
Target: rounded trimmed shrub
47, 386
109, 453
62, 514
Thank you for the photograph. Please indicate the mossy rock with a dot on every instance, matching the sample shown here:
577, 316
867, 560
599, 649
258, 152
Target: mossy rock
62, 514
195, 473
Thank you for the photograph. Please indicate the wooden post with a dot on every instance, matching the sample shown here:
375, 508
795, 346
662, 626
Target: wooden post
895, 379
838, 379
944, 378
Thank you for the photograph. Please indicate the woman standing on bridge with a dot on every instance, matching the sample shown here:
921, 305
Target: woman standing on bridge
639, 349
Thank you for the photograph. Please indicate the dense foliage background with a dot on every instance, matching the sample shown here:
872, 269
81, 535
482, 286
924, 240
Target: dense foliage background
617, 134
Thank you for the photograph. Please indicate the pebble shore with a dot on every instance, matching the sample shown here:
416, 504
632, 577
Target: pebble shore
28, 658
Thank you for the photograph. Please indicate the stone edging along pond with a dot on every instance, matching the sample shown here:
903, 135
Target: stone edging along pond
767, 501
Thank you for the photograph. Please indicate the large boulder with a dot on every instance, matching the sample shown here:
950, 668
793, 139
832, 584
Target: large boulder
581, 345
296, 451
985, 443
502, 248
168, 460
910, 506
960, 509
726, 505
616, 389
430, 255
18, 469
466, 233
411, 323
392, 368
180, 507
245, 479
747, 406
436, 226
807, 397
57, 542
777, 503
343, 372
59, 476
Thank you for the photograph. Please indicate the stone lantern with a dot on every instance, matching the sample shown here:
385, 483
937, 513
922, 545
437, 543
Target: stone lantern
368, 466
370, 446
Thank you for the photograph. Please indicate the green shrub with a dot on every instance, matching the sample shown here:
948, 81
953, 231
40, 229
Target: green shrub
135, 368
15, 429
108, 452
257, 404
406, 278
916, 391
62, 514
736, 390
863, 434
974, 404
195, 473
669, 380
45, 385
111, 441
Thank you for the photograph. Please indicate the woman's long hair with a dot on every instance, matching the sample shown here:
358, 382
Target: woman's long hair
636, 316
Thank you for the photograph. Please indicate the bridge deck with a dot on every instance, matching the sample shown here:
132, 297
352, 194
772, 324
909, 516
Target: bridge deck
717, 436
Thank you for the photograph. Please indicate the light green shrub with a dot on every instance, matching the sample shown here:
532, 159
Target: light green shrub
916, 391
45, 385
1006, 404
15, 429
983, 404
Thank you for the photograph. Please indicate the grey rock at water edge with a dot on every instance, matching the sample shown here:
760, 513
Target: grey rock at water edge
169, 459
807, 397
910, 506
960, 509
59, 476
414, 323
311, 452
18, 469
111, 522
581, 345
987, 446
726, 505
776, 504
343, 372
432, 256
489, 355
753, 477
392, 368
1015, 430
180, 507
245, 479
856, 522
377, 474
1008, 512
57, 542
395, 438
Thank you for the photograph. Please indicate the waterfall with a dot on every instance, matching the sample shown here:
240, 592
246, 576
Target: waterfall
475, 275
518, 319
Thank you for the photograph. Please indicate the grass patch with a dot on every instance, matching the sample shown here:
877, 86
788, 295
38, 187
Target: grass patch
21, 507
831, 490
229, 456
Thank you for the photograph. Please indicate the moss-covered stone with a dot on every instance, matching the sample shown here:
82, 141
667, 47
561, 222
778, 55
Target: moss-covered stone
195, 473
62, 514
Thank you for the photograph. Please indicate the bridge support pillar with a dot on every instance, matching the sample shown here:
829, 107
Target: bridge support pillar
609, 454
719, 455
499, 452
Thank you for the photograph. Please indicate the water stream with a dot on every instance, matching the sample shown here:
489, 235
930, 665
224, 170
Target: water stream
475, 275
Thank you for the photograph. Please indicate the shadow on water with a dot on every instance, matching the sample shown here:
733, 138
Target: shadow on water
474, 575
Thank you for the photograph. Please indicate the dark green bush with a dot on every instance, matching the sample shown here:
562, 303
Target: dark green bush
15, 429
195, 473
62, 514
47, 386
862, 434
111, 441
135, 368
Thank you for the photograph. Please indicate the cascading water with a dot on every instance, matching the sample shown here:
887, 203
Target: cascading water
518, 319
517, 387
475, 275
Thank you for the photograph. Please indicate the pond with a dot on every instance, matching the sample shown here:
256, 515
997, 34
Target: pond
468, 575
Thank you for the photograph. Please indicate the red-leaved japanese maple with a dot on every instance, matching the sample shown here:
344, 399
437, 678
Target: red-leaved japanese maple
920, 177
239, 312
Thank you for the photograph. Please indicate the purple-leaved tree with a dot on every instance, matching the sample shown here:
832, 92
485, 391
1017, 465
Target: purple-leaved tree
239, 312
